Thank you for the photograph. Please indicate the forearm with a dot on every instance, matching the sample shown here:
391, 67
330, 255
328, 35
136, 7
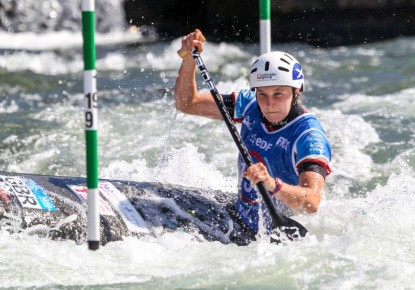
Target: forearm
300, 198
186, 88
304, 197
188, 99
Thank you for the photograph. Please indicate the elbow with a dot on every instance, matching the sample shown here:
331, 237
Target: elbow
182, 107
179, 104
182, 104
312, 206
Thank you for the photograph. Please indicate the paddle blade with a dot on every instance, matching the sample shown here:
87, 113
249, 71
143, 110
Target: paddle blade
291, 231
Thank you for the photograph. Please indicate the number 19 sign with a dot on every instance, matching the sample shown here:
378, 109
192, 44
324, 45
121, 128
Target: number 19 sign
91, 111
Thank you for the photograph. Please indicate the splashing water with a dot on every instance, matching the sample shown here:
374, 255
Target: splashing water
361, 238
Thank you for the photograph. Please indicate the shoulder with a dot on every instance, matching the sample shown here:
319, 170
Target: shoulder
312, 145
244, 100
309, 129
245, 95
307, 121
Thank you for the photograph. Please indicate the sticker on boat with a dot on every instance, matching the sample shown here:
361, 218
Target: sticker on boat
28, 192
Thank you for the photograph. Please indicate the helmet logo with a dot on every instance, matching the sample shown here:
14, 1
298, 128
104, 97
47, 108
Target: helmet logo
266, 76
297, 72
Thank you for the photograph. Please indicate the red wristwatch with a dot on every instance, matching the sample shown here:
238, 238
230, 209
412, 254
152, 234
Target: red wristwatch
278, 186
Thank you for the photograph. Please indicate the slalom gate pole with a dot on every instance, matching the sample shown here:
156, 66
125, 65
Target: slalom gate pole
265, 25
91, 121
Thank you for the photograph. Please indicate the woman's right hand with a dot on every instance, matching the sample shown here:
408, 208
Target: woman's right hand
189, 42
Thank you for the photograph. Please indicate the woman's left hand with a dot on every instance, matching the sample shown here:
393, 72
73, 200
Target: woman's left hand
259, 172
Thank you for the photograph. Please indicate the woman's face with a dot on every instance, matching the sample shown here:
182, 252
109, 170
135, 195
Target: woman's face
275, 101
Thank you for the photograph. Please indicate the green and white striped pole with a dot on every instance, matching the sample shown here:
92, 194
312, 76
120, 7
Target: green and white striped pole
91, 121
265, 25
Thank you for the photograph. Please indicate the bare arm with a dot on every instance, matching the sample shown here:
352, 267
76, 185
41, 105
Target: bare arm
304, 197
188, 99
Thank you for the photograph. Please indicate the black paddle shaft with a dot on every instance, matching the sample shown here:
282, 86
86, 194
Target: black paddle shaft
286, 225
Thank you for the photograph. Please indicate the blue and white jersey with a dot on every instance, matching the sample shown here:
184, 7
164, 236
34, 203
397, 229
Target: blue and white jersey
282, 151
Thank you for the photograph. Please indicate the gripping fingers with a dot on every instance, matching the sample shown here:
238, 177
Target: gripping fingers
257, 173
187, 42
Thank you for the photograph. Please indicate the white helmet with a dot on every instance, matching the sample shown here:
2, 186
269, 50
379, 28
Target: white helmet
276, 68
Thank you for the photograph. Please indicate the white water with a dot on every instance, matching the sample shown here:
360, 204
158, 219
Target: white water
361, 238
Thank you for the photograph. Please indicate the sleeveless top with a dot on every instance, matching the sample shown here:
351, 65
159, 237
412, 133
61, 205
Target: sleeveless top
303, 139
